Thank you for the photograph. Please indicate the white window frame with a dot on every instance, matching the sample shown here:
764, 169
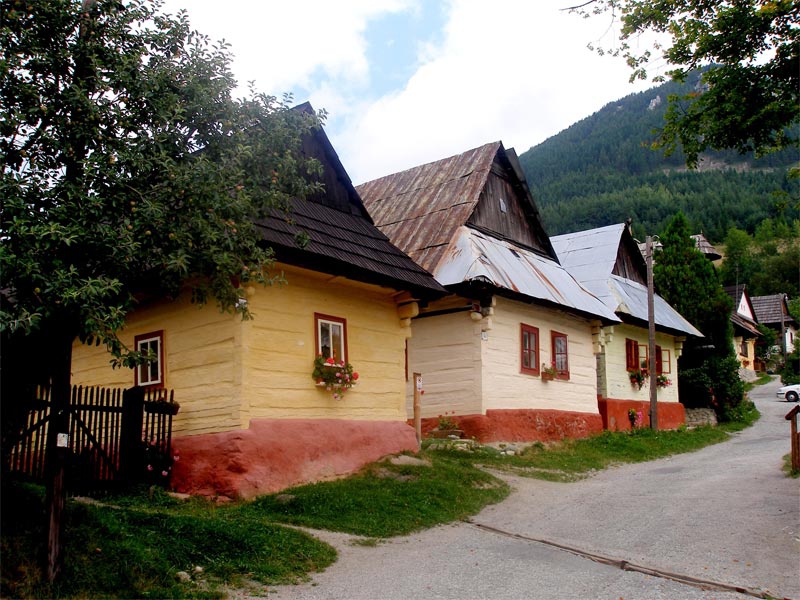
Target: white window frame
320, 321
145, 376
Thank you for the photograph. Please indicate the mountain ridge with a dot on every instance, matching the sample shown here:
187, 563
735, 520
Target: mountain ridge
602, 170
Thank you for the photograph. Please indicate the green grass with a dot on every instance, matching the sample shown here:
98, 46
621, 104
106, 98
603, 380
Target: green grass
132, 546
134, 552
787, 467
386, 500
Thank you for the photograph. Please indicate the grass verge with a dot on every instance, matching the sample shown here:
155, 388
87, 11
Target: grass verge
137, 552
386, 500
134, 546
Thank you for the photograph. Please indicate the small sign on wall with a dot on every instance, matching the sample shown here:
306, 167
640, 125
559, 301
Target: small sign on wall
62, 440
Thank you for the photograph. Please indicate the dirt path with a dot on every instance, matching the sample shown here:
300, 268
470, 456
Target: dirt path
726, 513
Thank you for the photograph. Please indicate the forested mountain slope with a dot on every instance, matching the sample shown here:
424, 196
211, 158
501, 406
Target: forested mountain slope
602, 170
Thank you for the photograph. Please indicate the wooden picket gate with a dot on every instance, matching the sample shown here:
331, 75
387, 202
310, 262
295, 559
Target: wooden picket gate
111, 432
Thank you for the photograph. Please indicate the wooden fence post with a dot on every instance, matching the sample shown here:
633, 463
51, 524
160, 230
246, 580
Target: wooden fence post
417, 379
792, 416
131, 434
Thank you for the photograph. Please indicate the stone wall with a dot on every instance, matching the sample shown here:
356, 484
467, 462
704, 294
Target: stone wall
695, 417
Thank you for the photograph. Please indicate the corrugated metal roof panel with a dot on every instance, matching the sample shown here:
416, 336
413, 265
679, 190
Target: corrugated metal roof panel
474, 255
632, 300
591, 254
590, 257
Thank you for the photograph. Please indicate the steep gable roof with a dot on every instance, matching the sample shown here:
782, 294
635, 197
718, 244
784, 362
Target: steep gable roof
772, 310
421, 208
606, 261
342, 237
743, 315
443, 214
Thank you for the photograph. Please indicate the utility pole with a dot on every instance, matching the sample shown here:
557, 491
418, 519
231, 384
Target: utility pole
651, 326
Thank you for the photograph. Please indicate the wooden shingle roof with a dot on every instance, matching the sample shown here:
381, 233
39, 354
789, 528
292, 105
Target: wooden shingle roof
421, 209
771, 310
342, 237
470, 220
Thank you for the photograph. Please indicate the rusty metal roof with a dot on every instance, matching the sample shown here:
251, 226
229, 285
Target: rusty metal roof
477, 256
421, 208
425, 211
590, 257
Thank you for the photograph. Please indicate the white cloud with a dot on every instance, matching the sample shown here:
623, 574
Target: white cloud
512, 70
515, 71
282, 45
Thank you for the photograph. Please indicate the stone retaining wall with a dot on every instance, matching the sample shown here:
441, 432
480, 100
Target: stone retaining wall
695, 417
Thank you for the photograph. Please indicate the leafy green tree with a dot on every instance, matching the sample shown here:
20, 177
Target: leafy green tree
749, 52
688, 281
129, 171
739, 265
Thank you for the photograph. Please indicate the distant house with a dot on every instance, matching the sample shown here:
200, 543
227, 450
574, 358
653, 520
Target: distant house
745, 326
607, 262
700, 242
704, 246
252, 419
511, 353
773, 312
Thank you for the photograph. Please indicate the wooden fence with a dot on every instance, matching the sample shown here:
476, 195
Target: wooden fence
793, 416
115, 436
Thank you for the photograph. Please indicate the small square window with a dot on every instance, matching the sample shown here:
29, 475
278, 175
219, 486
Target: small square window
331, 337
150, 373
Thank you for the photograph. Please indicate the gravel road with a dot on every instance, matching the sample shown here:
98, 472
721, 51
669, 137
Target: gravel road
724, 514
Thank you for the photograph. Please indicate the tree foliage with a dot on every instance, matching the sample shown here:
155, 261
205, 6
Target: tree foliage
129, 170
688, 281
749, 50
768, 261
601, 171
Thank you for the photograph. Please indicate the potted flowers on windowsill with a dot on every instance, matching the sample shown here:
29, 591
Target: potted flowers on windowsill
663, 381
549, 373
336, 377
637, 377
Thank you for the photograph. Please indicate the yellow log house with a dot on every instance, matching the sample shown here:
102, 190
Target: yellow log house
252, 418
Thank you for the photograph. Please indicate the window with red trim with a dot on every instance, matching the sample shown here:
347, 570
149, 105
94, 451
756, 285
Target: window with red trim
560, 354
150, 373
666, 362
631, 355
529, 349
331, 336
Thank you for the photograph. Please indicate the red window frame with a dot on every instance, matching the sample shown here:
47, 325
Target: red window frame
319, 319
526, 351
632, 355
147, 378
665, 367
560, 357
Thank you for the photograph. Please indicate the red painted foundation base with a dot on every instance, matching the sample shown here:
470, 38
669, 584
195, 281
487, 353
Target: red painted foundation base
671, 415
524, 425
274, 454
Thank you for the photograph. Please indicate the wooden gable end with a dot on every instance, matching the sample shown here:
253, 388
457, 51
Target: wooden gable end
506, 209
337, 191
630, 263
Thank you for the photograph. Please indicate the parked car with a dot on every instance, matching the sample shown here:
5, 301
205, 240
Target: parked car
790, 393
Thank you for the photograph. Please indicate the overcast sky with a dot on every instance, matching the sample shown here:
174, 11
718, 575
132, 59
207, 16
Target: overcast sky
410, 81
